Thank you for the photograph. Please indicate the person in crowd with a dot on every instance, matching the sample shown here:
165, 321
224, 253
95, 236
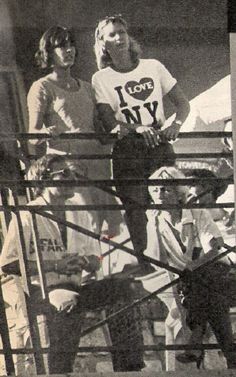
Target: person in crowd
207, 192
60, 103
67, 253
129, 92
187, 239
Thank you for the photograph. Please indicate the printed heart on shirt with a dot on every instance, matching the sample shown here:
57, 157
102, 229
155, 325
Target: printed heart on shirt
140, 90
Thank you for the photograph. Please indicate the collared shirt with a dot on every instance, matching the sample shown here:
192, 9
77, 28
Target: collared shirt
176, 244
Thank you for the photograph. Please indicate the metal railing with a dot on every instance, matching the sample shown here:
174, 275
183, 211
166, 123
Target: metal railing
105, 185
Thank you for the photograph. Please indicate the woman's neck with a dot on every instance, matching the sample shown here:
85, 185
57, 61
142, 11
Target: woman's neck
60, 74
63, 79
123, 62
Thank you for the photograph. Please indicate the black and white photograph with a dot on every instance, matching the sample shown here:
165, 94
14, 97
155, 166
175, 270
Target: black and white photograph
117, 194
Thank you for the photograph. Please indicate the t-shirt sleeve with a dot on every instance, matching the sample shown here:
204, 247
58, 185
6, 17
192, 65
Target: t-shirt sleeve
9, 251
166, 79
12, 244
37, 99
99, 89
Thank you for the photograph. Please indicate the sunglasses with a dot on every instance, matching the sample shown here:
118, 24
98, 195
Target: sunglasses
66, 172
104, 21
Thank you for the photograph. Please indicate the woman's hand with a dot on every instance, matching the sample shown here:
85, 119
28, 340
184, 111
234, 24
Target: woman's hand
121, 131
150, 135
171, 132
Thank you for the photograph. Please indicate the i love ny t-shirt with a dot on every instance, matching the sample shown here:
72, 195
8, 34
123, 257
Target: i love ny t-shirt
135, 96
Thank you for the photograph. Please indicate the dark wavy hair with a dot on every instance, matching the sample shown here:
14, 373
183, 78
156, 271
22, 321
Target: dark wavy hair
216, 188
55, 36
103, 58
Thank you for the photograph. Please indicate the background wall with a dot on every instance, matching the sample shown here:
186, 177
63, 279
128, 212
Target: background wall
188, 36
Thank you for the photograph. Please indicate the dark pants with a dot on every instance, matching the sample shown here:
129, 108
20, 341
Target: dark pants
133, 159
207, 301
125, 329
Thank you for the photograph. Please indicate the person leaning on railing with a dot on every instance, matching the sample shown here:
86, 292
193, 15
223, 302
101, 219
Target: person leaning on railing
188, 238
67, 253
61, 103
129, 93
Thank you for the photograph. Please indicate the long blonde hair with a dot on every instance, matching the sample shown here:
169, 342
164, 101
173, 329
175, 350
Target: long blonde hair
103, 58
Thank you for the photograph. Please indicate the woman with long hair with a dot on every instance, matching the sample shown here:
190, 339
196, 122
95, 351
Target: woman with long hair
60, 103
129, 93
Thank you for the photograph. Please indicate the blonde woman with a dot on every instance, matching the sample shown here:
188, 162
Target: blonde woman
129, 93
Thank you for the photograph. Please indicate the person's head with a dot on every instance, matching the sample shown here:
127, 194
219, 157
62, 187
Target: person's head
56, 46
111, 38
164, 194
207, 191
54, 167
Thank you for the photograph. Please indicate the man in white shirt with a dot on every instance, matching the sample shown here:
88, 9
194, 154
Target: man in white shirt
188, 238
66, 254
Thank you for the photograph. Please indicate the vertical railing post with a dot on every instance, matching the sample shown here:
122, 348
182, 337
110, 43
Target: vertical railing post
233, 102
4, 332
32, 317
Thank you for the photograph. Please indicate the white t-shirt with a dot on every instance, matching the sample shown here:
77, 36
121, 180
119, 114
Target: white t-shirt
50, 240
135, 96
196, 230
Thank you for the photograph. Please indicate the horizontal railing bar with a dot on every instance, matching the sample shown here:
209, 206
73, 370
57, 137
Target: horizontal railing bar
151, 347
108, 207
178, 156
94, 136
114, 182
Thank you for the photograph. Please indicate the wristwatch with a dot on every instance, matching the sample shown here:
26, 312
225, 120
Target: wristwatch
179, 122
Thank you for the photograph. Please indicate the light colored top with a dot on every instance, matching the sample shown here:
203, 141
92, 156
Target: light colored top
51, 245
68, 111
73, 112
175, 244
135, 96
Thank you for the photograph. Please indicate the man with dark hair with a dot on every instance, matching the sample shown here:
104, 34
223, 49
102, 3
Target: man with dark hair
210, 189
66, 254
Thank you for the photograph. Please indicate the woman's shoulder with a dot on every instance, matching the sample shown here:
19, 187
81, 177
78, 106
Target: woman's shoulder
101, 73
86, 87
84, 84
151, 62
42, 84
